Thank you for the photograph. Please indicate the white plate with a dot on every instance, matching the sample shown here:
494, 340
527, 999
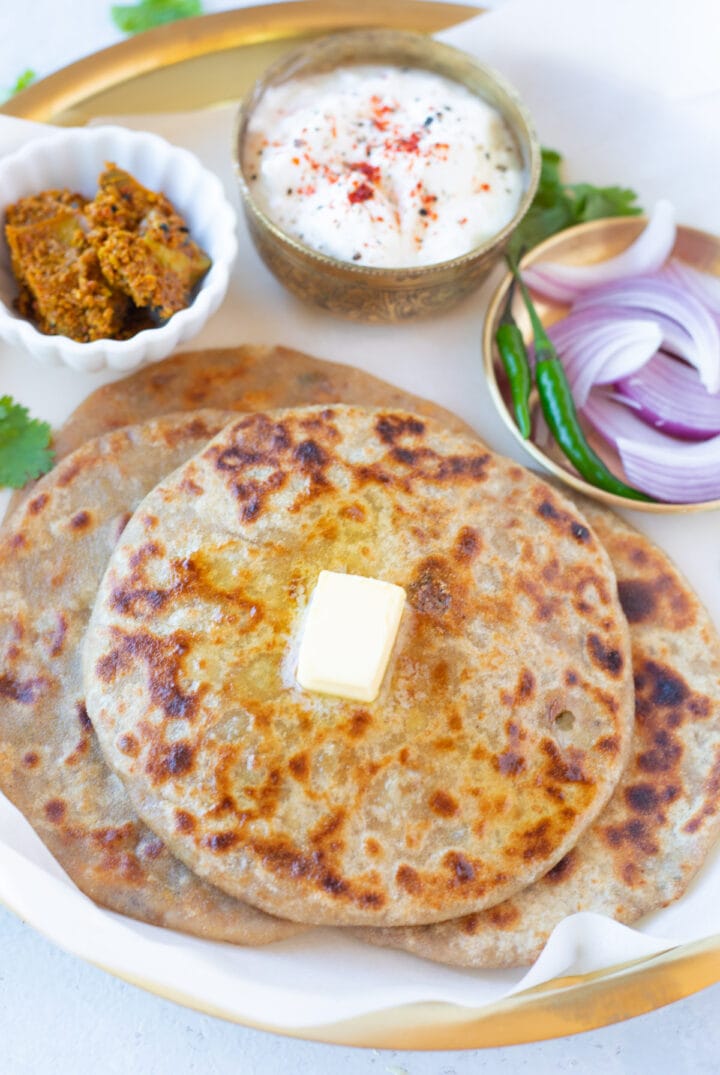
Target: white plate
73, 159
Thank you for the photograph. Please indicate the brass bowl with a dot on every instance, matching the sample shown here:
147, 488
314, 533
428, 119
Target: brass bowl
368, 293
584, 245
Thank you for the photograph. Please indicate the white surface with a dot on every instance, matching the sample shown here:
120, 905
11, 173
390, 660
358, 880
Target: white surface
64, 1049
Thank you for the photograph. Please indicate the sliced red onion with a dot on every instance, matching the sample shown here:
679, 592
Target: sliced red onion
668, 394
615, 419
674, 337
648, 295
678, 471
544, 284
651, 249
597, 350
703, 285
635, 323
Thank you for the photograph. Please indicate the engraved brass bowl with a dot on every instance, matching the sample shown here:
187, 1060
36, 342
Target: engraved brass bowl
583, 245
368, 293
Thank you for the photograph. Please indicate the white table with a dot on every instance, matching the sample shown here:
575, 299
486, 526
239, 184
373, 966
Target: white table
60, 1015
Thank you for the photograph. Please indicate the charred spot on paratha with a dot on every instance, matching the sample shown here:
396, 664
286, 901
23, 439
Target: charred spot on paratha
391, 427
81, 520
658, 685
163, 659
26, 692
430, 591
299, 765
468, 544
609, 658
167, 761
128, 744
638, 599
55, 810
562, 870
408, 879
37, 503
443, 804
559, 517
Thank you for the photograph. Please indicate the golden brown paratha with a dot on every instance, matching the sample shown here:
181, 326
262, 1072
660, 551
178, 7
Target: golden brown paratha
248, 378
505, 718
52, 558
664, 817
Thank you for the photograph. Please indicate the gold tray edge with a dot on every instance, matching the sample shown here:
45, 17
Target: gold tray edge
557, 1008
205, 34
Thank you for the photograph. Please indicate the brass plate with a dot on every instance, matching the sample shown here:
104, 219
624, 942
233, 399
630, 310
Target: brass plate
201, 62
584, 245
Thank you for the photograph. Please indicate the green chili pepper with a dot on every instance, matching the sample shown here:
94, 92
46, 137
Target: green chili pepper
558, 407
512, 351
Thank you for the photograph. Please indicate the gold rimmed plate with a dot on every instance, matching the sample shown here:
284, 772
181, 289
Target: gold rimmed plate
200, 63
585, 244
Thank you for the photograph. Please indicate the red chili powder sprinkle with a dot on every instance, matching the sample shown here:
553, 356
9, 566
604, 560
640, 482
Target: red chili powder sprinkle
378, 110
409, 144
371, 171
361, 193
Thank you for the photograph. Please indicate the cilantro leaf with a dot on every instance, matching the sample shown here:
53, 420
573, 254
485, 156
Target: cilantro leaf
135, 18
21, 83
24, 445
591, 203
558, 205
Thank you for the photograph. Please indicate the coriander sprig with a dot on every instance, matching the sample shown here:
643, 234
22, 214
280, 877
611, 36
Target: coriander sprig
24, 445
136, 18
558, 205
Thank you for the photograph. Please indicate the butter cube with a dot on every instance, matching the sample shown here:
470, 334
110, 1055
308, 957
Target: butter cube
349, 633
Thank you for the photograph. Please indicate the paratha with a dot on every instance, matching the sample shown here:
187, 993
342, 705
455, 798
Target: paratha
52, 558
247, 378
664, 817
503, 723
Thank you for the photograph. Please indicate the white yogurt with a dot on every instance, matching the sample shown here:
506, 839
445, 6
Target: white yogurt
383, 166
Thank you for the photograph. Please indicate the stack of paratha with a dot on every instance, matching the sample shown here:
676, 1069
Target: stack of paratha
503, 779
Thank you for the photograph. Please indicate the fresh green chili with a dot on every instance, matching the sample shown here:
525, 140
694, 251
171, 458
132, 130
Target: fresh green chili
558, 407
512, 351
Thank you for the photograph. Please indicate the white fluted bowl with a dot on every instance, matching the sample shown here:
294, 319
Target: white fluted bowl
74, 158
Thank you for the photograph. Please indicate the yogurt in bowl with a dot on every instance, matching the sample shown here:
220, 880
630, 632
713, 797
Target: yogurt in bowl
385, 166
382, 173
